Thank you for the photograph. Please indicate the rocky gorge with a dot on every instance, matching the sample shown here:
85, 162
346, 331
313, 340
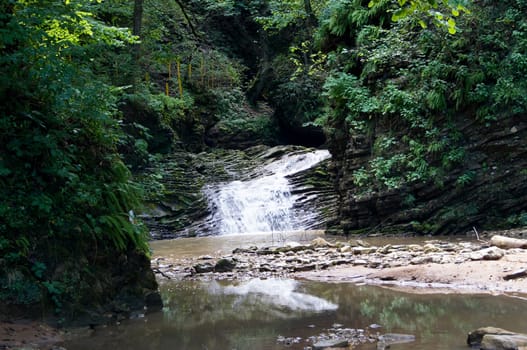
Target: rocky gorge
180, 187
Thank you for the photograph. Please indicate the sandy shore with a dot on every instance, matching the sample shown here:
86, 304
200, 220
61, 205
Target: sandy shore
483, 276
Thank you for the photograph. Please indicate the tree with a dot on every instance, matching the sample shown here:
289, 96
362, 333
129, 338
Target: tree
66, 196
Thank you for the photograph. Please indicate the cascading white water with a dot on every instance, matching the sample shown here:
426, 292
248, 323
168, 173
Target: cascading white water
262, 204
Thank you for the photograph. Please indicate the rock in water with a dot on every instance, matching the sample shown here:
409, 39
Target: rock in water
504, 342
225, 265
331, 343
491, 253
492, 338
388, 339
203, 268
320, 242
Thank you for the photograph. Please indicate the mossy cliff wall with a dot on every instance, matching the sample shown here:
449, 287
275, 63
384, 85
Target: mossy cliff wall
427, 129
495, 196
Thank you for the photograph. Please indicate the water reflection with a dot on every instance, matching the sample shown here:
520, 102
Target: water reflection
199, 303
274, 294
251, 315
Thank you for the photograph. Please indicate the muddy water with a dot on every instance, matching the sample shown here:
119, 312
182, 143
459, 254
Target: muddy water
252, 314
221, 245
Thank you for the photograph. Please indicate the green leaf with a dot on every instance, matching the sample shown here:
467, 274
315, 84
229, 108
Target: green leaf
422, 24
451, 26
399, 14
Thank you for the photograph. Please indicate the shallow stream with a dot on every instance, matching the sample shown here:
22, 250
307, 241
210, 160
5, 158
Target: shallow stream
220, 316
253, 314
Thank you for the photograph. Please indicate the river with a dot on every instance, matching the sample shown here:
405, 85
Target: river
254, 314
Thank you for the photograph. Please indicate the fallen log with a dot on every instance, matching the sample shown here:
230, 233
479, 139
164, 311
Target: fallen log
516, 274
508, 242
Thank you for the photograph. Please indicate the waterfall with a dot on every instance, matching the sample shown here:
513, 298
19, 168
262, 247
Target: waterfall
263, 203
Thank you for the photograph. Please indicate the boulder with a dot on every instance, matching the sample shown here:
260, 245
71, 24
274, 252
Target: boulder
491, 253
504, 342
225, 265
320, 242
386, 340
204, 267
492, 338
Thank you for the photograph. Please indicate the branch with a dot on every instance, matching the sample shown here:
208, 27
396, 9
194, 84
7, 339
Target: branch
192, 29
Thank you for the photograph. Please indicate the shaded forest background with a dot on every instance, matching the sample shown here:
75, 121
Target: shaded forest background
421, 105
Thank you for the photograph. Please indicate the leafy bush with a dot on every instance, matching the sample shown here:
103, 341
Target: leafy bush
65, 192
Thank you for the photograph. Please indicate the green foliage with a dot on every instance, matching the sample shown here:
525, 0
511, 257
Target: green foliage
306, 62
234, 7
343, 19
442, 13
171, 109
236, 117
519, 220
298, 79
285, 14
65, 192
349, 99
408, 91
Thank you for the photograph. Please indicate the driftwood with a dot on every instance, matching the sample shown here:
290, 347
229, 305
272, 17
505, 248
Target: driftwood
507, 242
516, 274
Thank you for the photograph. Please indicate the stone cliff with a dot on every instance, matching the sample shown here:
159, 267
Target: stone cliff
495, 196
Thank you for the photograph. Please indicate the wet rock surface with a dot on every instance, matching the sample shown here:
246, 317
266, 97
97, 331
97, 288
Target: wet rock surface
497, 191
178, 205
492, 338
29, 335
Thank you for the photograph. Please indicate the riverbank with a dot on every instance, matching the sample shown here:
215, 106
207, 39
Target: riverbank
448, 265
417, 265
481, 276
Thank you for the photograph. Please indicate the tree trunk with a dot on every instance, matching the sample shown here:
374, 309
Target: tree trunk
508, 242
311, 18
136, 30
138, 17
187, 18
264, 73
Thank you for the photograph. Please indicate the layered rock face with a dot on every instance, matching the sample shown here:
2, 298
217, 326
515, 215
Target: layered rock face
496, 196
181, 207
